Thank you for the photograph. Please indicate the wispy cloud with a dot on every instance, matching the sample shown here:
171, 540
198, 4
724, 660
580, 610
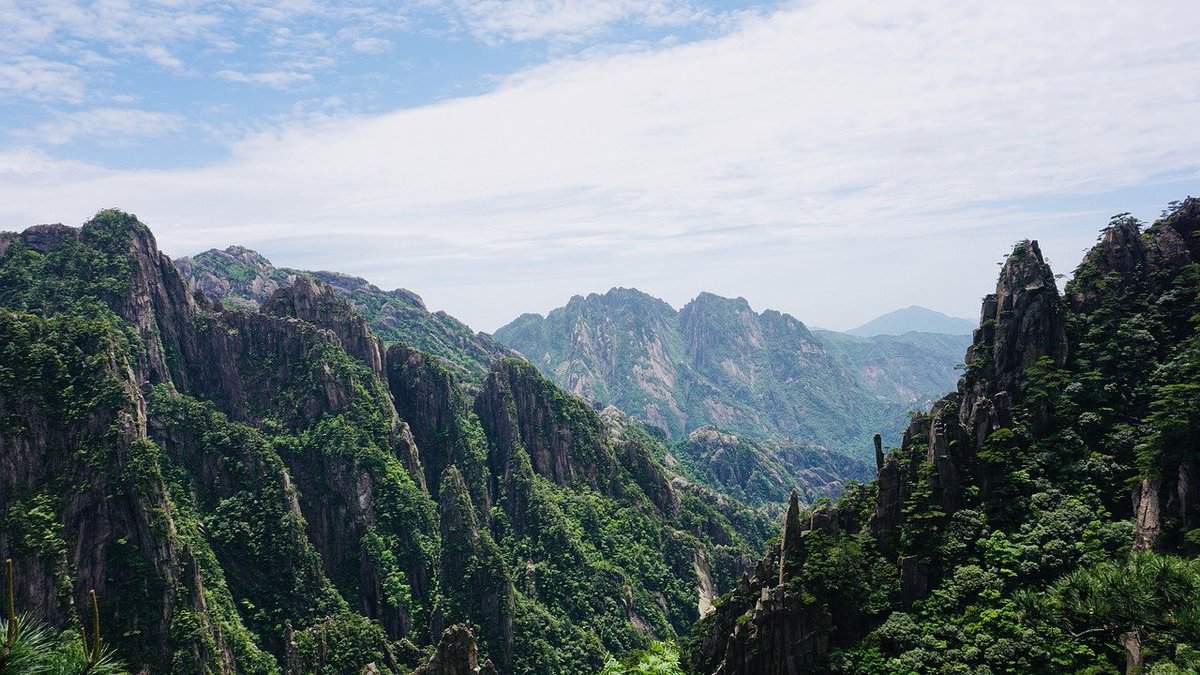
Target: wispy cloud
797, 160
279, 79
107, 126
371, 45
521, 20
41, 80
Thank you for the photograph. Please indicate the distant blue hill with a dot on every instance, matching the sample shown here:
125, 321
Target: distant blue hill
911, 319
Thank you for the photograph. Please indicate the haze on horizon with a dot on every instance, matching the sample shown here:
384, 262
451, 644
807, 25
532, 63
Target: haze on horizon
833, 160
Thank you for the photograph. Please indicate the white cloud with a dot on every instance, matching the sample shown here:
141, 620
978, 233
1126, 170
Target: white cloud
278, 79
802, 160
41, 80
519, 20
106, 126
162, 56
371, 45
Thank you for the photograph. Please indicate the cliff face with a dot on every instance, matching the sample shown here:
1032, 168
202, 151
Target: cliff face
272, 491
1010, 499
716, 362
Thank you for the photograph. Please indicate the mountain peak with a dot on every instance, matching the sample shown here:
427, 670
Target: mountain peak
914, 318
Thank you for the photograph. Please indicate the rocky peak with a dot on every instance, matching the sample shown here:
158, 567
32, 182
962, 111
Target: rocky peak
791, 546
43, 238
457, 654
1020, 323
1184, 219
317, 303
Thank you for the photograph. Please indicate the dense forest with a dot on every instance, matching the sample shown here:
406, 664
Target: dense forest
1045, 517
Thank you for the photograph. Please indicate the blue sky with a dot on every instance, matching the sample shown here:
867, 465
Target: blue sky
831, 159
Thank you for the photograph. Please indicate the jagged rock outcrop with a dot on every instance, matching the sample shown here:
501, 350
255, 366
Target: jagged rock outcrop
320, 305
765, 626
456, 655
791, 547
1063, 403
100, 520
563, 437
239, 277
428, 395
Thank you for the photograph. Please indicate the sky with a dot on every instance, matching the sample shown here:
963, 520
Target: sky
833, 159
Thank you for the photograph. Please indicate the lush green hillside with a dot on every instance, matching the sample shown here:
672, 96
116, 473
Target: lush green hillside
719, 363
239, 277
279, 491
1044, 518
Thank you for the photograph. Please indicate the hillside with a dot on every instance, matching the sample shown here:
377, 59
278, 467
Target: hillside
275, 490
1043, 518
717, 362
240, 277
913, 319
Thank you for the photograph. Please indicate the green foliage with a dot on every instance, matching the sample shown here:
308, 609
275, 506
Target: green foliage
338, 645
660, 658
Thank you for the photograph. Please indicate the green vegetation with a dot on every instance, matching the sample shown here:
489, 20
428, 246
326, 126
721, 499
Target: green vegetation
1020, 558
261, 507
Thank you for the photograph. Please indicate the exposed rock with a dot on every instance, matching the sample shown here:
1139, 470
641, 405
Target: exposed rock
706, 590
428, 396
456, 655
791, 547
915, 579
1146, 514
563, 437
240, 277
320, 305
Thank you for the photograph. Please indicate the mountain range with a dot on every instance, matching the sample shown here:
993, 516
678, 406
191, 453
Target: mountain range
714, 363
190, 486
717, 362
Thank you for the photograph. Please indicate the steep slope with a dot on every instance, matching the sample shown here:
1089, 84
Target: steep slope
916, 368
274, 491
765, 473
240, 277
913, 319
718, 363
1042, 518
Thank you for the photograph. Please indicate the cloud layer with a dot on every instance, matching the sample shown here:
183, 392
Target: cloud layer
833, 159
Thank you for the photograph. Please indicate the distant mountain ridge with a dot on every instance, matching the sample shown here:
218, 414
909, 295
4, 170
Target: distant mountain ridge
913, 319
716, 362
240, 277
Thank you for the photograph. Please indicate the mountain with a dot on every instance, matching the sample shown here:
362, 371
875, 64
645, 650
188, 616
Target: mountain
717, 362
1042, 518
277, 490
913, 368
765, 473
913, 319
240, 277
